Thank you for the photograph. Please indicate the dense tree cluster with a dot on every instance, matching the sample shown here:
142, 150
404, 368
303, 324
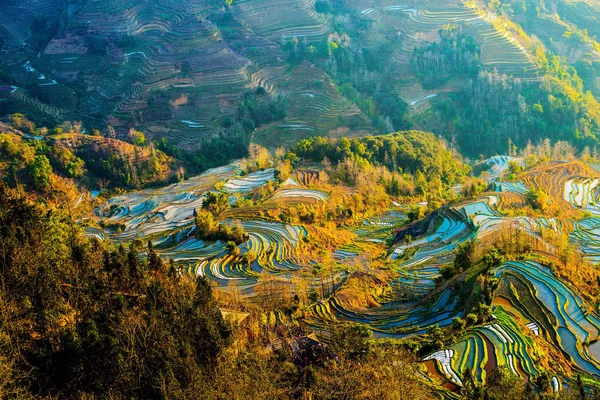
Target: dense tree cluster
32, 155
213, 152
120, 163
455, 54
24, 163
419, 154
258, 108
509, 109
208, 224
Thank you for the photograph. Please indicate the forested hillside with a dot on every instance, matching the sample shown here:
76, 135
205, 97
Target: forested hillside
50, 162
479, 74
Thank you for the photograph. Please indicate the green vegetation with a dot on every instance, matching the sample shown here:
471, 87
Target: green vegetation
463, 260
454, 55
257, 109
555, 105
538, 200
69, 153
208, 228
422, 163
550, 109
500, 384
73, 166
41, 172
216, 151
351, 340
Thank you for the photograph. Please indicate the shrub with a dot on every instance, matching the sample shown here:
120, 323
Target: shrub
41, 172
538, 200
206, 225
208, 228
415, 213
216, 202
233, 249
459, 323
465, 254
471, 319
351, 340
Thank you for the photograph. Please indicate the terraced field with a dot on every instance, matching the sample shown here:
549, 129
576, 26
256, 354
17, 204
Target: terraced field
182, 70
448, 229
274, 245
153, 214
249, 182
511, 187
496, 166
586, 235
473, 220
419, 262
582, 193
380, 229
166, 217
16, 17
486, 347
420, 22
420, 259
280, 20
315, 108
32, 105
557, 180
299, 195
535, 313
396, 318
168, 36
531, 302
501, 50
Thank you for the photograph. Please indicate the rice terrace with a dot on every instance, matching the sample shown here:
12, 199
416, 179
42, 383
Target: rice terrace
300, 199
535, 307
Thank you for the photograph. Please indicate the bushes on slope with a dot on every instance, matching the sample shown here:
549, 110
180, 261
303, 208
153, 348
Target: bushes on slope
81, 317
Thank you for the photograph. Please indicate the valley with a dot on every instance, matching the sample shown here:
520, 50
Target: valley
300, 199
534, 311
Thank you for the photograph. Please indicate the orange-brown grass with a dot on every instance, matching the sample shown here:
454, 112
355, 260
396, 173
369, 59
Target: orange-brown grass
509, 237
142, 165
65, 195
551, 179
364, 203
325, 240
363, 290
102, 144
438, 376
265, 211
283, 202
510, 200
311, 177
344, 207
61, 194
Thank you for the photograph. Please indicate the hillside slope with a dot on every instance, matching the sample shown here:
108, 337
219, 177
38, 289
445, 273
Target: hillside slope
477, 74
